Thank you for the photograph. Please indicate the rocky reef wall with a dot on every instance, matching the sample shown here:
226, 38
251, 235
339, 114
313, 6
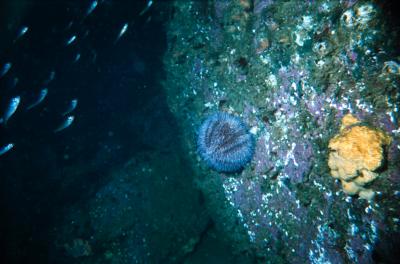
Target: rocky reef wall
291, 70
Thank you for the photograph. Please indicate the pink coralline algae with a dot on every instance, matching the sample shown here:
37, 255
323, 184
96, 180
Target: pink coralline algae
291, 161
299, 162
262, 163
316, 106
290, 75
262, 215
260, 5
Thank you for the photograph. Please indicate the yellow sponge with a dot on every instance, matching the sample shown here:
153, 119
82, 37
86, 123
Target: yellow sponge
355, 153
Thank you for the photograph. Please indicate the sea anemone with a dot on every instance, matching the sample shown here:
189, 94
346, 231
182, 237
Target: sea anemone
224, 142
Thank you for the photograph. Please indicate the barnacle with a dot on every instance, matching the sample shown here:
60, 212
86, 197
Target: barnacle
356, 153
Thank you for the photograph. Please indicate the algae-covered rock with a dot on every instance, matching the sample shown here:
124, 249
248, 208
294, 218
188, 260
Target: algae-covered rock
292, 70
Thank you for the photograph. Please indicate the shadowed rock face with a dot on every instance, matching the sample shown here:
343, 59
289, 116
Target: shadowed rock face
225, 143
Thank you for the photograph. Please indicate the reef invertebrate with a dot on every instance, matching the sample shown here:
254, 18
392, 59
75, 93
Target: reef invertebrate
225, 143
356, 153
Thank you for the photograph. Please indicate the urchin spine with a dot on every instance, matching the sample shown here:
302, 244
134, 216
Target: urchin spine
225, 143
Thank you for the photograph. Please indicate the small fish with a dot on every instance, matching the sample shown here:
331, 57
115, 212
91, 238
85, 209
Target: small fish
122, 32
148, 20
12, 107
94, 55
149, 3
51, 77
21, 32
77, 57
42, 95
6, 67
70, 40
6, 148
86, 33
67, 122
69, 25
14, 82
71, 107
92, 6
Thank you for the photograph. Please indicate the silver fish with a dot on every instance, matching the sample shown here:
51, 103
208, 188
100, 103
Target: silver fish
67, 122
92, 6
94, 55
14, 82
71, 107
42, 95
6, 67
6, 148
21, 32
86, 33
12, 107
70, 40
69, 25
149, 3
122, 32
51, 77
77, 57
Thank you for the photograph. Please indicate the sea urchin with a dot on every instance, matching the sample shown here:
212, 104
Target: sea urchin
225, 143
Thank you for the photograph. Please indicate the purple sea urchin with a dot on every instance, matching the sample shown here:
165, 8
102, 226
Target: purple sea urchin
225, 143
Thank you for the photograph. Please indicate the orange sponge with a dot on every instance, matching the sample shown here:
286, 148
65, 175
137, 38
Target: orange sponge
356, 152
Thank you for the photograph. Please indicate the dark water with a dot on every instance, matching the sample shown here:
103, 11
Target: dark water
121, 111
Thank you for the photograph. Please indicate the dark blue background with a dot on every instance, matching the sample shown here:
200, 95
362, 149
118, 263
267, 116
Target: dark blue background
121, 109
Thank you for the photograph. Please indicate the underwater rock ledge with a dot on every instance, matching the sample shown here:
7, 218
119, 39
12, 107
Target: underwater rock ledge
291, 70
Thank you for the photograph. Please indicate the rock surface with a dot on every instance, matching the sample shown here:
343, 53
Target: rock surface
291, 70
